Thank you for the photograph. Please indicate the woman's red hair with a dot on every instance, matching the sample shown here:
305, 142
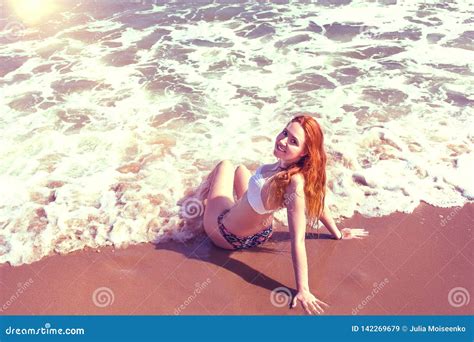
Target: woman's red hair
313, 168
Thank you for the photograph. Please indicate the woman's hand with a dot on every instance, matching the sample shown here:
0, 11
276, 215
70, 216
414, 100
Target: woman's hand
310, 303
353, 233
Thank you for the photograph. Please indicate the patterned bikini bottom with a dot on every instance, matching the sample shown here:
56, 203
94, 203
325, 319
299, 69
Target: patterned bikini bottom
239, 242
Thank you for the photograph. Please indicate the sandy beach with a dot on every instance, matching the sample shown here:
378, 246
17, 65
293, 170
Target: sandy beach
411, 264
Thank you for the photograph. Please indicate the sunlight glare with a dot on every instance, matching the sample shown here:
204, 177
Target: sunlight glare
32, 11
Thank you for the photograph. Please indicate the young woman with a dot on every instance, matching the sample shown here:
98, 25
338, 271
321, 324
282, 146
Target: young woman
296, 182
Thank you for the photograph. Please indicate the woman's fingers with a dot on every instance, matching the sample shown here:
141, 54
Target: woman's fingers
354, 233
310, 305
313, 307
317, 308
321, 302
360, 231
312, 310
306, 307
294, 302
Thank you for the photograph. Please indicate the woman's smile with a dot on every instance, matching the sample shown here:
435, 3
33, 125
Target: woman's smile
281, 148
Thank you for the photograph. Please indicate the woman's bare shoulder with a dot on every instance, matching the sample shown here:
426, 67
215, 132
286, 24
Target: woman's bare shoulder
297, 179
296, 183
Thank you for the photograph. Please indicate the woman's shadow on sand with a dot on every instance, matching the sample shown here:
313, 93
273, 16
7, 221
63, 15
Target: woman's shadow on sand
202, 249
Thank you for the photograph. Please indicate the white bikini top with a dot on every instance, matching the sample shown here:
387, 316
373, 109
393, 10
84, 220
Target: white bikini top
254, 192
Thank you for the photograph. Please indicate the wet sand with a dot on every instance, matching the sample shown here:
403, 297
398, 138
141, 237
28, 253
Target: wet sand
407, 266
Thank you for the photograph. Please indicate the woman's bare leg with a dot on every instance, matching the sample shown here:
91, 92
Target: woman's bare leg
241, 180
220, 197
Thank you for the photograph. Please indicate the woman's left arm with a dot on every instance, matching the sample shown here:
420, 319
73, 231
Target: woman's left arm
345, 233
328, 221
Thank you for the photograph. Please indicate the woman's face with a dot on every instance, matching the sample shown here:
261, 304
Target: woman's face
290, 143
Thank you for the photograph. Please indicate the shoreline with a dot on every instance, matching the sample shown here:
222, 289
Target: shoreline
411, 264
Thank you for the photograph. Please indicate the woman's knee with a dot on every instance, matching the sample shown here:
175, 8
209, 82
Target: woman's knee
241, 169
225, 164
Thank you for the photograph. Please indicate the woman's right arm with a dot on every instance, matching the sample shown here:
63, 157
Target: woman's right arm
297, 227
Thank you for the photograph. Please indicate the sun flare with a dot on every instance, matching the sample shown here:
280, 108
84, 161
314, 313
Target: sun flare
33, 11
